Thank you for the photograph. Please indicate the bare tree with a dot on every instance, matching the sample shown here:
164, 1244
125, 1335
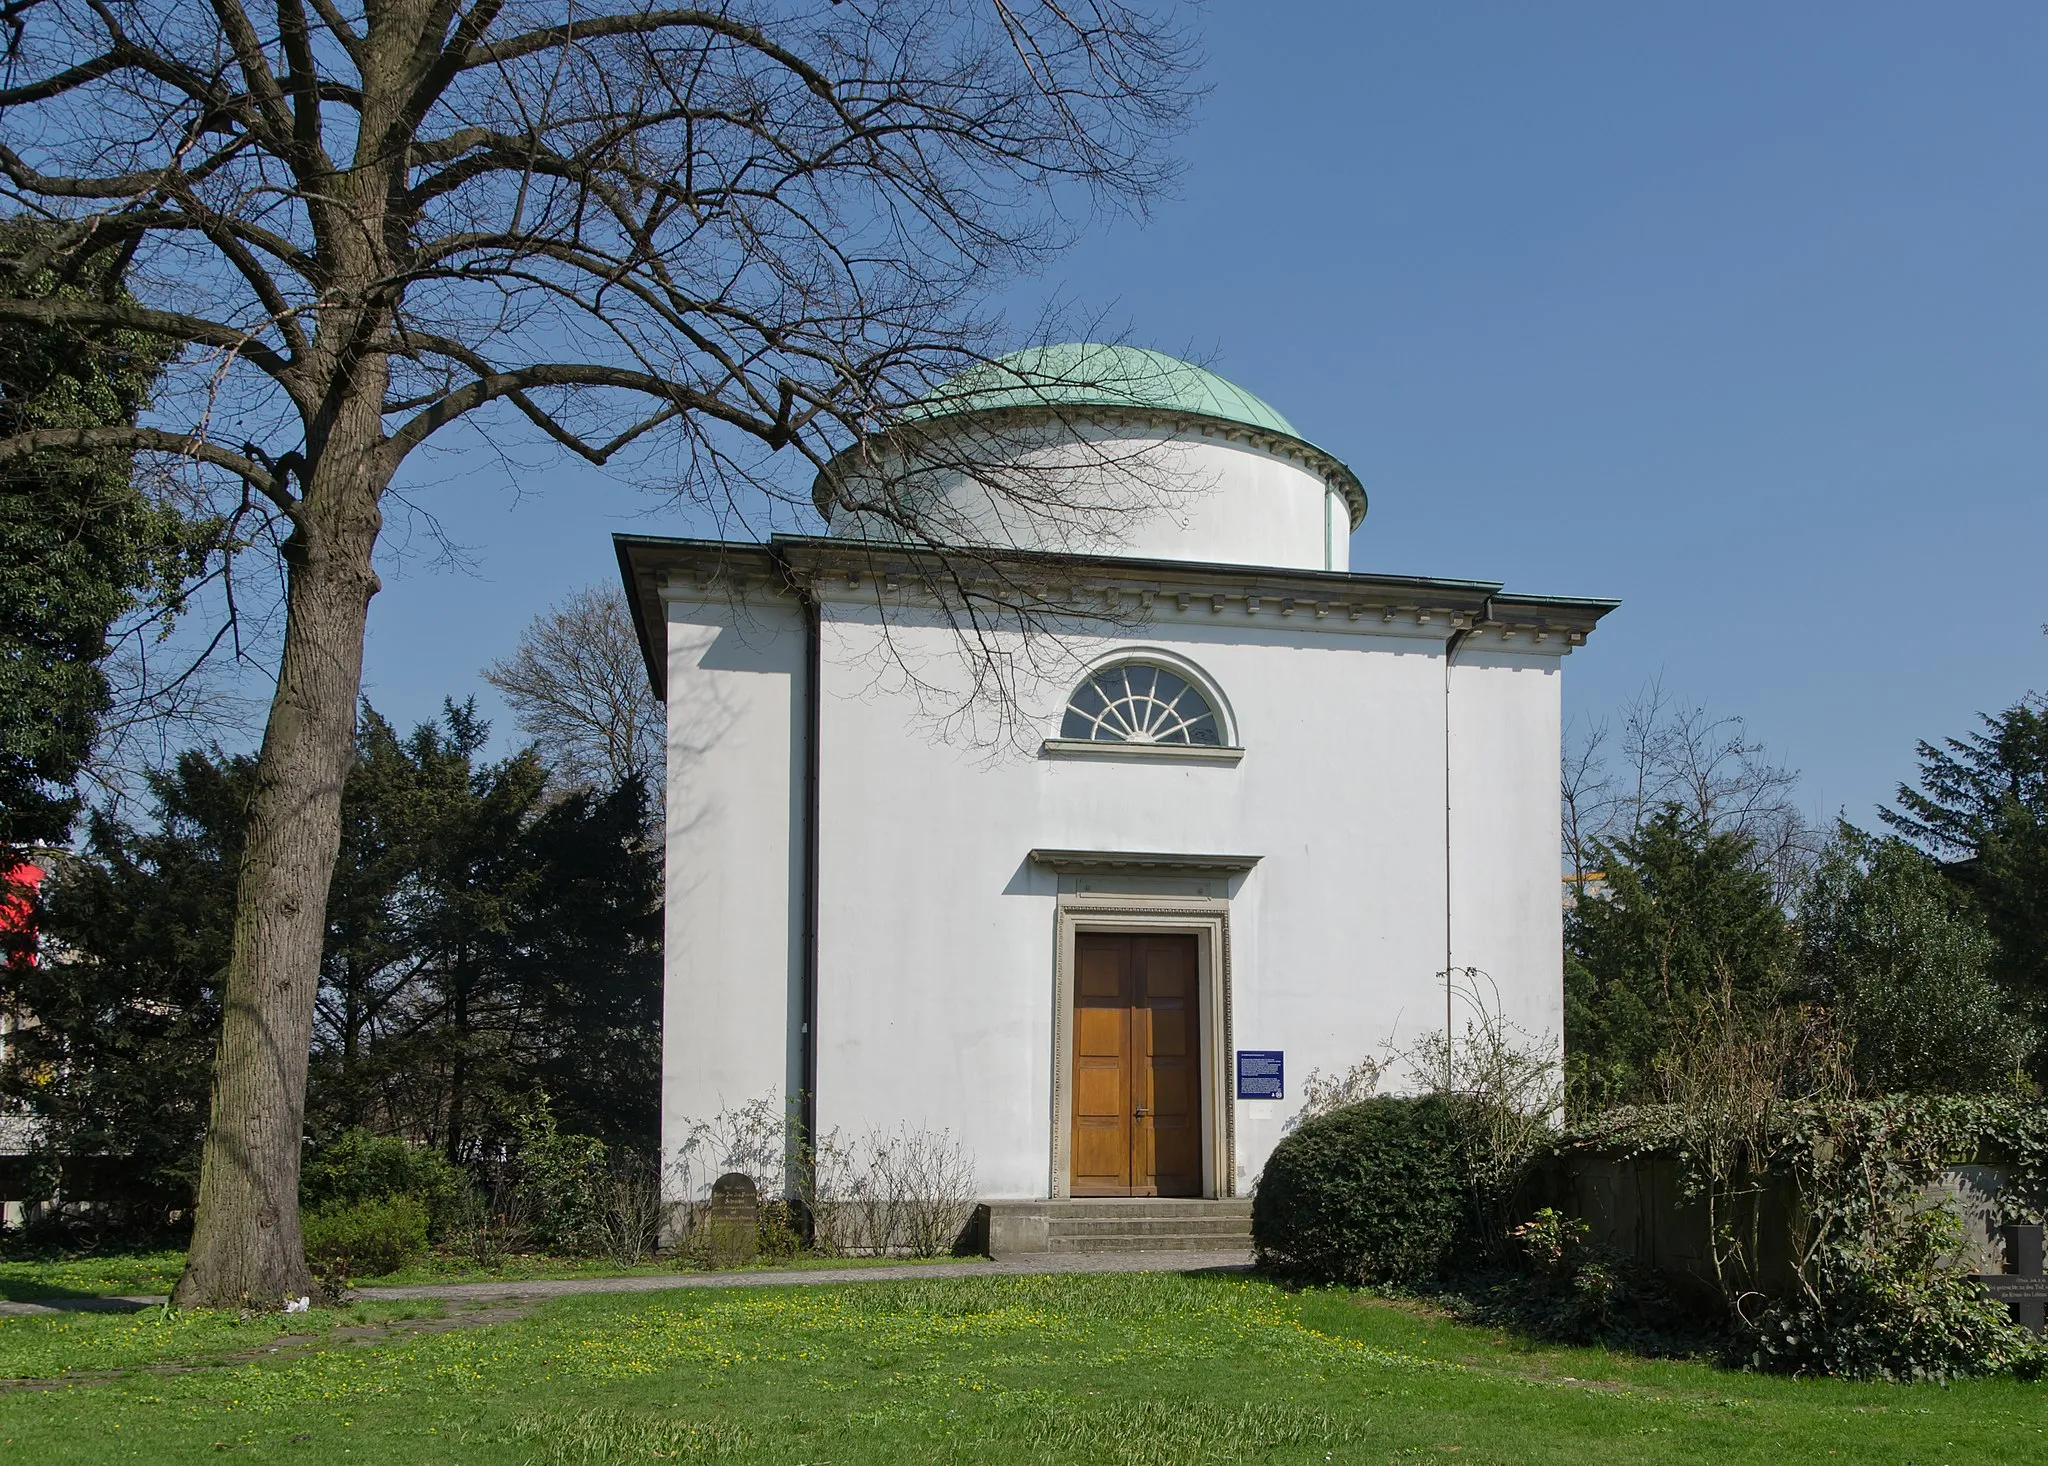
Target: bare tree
580, 689
685, 238
1676, 753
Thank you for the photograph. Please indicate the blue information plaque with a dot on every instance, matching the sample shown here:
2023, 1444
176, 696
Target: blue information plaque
1261, 1074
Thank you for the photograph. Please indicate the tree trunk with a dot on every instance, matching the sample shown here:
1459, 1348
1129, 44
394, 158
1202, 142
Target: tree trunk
247, 1250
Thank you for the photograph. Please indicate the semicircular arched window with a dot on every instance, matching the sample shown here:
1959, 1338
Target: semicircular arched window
1135, 702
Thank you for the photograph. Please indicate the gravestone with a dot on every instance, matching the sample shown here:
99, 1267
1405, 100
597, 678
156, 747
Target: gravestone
732, 1222
2021, 1287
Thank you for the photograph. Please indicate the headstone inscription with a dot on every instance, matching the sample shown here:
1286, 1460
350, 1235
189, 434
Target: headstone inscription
732, 1222
2021, 1287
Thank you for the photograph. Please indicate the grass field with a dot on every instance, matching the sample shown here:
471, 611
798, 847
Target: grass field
1121, 1370
45, 1279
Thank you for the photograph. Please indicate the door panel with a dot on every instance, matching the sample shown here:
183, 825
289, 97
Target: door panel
1101, 1161
1169, 1069
1137, 1073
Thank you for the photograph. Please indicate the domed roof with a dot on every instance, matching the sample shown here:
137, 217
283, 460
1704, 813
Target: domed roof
1088, 374
1076, 376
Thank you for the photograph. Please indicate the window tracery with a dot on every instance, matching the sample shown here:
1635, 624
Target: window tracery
1136, 702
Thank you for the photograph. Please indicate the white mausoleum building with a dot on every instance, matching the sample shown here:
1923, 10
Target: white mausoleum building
1233, 827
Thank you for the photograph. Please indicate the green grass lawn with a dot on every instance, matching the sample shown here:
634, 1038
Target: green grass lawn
1178, 1371
38, 1279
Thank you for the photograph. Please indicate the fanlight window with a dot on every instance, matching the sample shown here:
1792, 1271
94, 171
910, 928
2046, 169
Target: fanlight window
1135, 703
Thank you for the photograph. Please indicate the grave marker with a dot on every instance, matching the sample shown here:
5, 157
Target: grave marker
732, 1223
2021, 1287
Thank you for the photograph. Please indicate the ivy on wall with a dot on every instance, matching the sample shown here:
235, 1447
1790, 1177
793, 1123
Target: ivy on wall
1879, 1289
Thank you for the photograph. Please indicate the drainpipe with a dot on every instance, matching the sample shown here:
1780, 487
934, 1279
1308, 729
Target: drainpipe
807, 1062
1457, 639
807, 1115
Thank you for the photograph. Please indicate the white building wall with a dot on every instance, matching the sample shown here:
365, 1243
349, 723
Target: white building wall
937, 934
735, 850
1506, 896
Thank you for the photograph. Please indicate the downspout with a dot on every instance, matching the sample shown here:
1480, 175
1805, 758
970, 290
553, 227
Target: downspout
1457, 639
807, 1002
807, 1103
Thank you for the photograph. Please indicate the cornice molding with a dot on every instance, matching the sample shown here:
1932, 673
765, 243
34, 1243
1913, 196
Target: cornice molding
1120, 593
1102, 862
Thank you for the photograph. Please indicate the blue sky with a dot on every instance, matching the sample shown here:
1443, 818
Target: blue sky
1735, 313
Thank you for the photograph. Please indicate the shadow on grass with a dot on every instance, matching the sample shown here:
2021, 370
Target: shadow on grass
1639, 1317
66, 1301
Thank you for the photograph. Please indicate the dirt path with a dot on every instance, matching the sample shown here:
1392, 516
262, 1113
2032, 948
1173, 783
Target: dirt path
1044, 1263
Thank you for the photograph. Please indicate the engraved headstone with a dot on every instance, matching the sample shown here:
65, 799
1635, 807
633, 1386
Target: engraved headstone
2021, 1287
732, 1222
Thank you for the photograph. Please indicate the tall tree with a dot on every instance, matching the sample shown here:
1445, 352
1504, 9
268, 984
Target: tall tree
1982, 805
723, 231
1684, 916
579, 686
80, 544
482, 942
485, 940
1905, 960
1672, 753
128, 1005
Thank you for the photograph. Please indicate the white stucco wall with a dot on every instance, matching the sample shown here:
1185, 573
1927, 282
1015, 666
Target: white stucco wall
1146, 493
936, 932
1506, 895
733, 925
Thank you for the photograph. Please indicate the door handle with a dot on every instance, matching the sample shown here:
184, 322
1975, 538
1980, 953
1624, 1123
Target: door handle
1141, 1112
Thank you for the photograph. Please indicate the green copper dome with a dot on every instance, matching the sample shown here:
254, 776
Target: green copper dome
1080, 375
1085, 374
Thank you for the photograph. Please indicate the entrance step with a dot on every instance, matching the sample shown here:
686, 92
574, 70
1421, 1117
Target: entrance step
1116, 1224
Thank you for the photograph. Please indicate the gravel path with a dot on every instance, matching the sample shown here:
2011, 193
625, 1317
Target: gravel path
1055, 1262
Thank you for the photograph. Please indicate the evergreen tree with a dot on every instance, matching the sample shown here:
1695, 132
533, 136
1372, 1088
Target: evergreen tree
509, 941
127, 1003
1892, 946
1982, 805
1683, 914
482, 943
80, 545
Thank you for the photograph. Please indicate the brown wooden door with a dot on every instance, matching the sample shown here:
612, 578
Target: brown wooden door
1137, 1067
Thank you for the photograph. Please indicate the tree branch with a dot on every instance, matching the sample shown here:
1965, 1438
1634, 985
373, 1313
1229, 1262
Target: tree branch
580, 374
647, 22
149, 440
47, 311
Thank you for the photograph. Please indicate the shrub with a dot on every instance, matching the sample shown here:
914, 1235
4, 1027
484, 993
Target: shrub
1573, 1290
1375, 1193
358, 1166
562, 1179
1893, 1307
346, 1240
907, 1192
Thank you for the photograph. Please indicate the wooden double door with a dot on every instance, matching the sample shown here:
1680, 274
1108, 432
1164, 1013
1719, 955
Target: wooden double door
1137, 1066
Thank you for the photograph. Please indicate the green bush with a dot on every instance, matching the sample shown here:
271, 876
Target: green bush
562, 1180
1375, 1193
1895, 1309
354, 1239
357, 1166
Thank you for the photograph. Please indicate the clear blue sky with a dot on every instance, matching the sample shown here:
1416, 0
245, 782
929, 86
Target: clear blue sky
1735, 313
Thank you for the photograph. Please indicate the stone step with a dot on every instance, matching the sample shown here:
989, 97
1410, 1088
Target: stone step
1147, 1206
1149, 1226
1117, 1224
1203, 1242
